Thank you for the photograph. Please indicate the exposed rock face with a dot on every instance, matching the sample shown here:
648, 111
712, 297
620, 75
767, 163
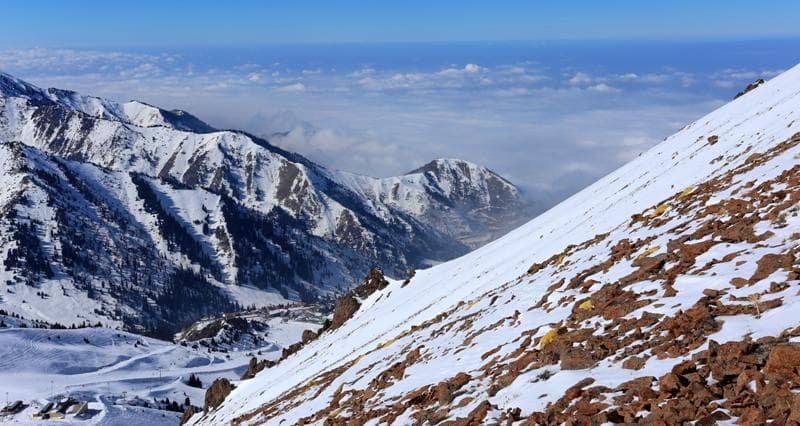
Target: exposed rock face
752, 86
347, 305
216, 393
308, 336
733, 379
373, 282
187, 414
255, 366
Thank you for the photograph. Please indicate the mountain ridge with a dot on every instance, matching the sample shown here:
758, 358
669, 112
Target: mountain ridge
248, 220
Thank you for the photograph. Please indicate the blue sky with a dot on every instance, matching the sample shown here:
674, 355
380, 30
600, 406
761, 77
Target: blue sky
93, 23
553, 95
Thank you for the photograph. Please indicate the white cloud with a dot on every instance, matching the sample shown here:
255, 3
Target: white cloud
579, 79
603, 88
292, 88
363, 72
472, 68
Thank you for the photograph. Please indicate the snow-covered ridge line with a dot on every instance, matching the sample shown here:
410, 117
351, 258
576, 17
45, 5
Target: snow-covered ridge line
637, 276
171, 203
133, 112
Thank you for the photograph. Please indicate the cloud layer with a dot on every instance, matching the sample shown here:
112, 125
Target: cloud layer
543, 117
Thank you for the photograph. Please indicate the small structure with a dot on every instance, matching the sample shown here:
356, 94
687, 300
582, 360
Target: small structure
79, 408
55, 415
43, 412
13, 408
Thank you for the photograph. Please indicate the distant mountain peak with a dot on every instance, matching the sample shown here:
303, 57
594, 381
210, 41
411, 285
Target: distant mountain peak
221, 215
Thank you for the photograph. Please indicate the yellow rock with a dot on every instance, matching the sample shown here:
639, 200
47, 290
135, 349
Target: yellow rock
587, 305
659, 210
686, 192
648, 252
548, 337
387, 343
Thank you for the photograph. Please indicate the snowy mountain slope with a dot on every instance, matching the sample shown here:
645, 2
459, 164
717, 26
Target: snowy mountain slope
665, 292
466, 200
170, 201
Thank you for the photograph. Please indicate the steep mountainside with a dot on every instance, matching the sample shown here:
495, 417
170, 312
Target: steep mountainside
665, 292
126, 208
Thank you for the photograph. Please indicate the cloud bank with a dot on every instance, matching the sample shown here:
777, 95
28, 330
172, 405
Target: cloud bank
548, 120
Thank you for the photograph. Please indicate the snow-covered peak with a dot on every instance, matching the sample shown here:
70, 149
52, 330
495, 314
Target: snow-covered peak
11, 86
133, 112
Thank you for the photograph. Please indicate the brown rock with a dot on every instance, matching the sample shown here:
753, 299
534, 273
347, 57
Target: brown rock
475, 417
255, 366
291, 349
637, 385
216, 394
794, 415
747, 377
738, 282
725, 361
187, 414
752, 416
783, 359
576, 359
770, 263
669, 383
373, 282
634, 363
308, 336
346, 306
713, 419
684, 367
445, 391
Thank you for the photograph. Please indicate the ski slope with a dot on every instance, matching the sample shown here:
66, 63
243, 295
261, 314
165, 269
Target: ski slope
118, 371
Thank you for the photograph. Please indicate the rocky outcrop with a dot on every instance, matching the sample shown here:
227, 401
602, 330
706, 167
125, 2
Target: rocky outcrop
308, 336
255, 366
754, 381
347, 305
752, 86
187, 414
216, 393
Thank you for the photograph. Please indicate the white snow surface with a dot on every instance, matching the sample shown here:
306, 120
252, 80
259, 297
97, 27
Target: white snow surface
116, 370
380, 332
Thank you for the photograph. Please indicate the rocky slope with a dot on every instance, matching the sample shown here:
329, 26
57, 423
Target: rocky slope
137, 216
666, 292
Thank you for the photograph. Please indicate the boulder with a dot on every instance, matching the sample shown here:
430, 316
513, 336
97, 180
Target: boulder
308, 336
216, 394
187, 415
783, 359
